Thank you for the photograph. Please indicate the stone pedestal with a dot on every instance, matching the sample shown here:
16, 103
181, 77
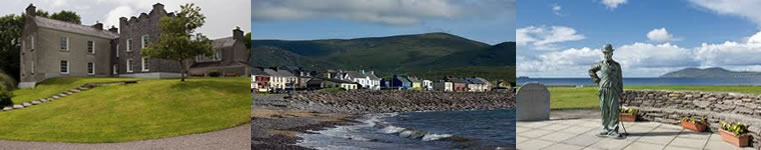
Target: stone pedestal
533, 102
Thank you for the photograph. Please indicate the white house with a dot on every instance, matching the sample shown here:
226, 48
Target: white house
427, 85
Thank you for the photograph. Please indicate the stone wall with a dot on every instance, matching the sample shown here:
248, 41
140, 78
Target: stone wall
671, 106
383, 101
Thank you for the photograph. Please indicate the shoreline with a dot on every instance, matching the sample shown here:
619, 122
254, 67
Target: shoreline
278, 119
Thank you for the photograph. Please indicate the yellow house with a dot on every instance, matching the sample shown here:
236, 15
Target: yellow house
416, 84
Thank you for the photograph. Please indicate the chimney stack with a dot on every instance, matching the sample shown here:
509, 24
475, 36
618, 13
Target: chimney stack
98, 26
238, 34
31, 10
114, 29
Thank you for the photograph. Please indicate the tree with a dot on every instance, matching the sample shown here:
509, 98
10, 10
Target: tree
68, 16
177, 41
11, 27
247, 37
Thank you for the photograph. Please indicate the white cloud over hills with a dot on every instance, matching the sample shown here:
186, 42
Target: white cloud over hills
644, 59
391, 12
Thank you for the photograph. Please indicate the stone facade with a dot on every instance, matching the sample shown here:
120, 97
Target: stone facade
230, 57
671, 106
136, 29
93, 51
52, 48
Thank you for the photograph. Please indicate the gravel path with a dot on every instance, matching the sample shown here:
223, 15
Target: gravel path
232, 138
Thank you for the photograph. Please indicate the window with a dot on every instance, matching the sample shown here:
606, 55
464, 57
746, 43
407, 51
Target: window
32, 42
129, 45
90, 68
115, 70
117, 50
218, 55
145, 41
64, 67
129, 65
145, 64
32, 67
64, 43
91, 47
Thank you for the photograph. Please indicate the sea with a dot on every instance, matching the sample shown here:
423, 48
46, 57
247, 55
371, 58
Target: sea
433, 130
645, 81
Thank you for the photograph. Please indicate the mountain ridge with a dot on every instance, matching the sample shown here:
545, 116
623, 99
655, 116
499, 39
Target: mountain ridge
412, 53
713, 72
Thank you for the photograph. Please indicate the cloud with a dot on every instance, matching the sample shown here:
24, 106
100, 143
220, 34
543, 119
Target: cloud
661, 35
747, 9
395, 12
556, 9
731, 53
645, 55
112, 17
639, 59
646, 59
613, 4
544, 38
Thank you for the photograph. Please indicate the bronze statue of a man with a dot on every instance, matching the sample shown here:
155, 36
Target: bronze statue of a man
611, 86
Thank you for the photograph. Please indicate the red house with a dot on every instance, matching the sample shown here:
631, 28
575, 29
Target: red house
259, 80
458, 84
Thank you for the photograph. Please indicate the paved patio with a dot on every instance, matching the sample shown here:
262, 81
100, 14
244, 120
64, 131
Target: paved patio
571, 134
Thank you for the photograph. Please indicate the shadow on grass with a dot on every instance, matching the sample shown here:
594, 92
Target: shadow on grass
223, 86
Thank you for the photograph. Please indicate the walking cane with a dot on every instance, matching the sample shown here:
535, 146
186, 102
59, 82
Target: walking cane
620, 105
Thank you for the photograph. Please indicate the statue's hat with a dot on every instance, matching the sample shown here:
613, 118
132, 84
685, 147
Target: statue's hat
607, 48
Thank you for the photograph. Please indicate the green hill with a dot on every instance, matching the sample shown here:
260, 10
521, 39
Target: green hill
715, 72
429, 52
149, 109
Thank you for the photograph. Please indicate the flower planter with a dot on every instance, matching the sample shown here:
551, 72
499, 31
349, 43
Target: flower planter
731, 138
697, 127
627, 117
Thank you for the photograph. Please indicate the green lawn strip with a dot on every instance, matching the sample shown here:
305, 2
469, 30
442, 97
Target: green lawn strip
147, 110
586, 97
55, 86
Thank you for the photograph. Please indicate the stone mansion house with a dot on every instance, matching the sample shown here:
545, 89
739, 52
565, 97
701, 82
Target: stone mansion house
52, 48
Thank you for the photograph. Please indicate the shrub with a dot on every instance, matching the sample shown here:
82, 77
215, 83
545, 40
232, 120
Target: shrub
737, 128
627, 110
693, 119
5, 97
214, 73
7, 81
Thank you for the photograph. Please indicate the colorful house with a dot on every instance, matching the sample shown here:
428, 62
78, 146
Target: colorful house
321, 83
280, 79
443, 85
259, 80
458, 84
427, 85
415, 82
475, 85
400, 81
366, 79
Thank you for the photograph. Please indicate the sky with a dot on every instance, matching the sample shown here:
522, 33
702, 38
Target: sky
650, 37
222, 16
488, 21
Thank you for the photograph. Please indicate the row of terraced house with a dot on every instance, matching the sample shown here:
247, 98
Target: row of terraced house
266, 79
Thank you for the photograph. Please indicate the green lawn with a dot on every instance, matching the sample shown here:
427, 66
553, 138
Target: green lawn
150, 109
586, 97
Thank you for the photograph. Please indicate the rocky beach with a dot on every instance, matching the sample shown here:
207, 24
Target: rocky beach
277, 119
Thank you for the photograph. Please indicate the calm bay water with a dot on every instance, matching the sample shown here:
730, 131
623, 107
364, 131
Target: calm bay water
488, 129
648, 81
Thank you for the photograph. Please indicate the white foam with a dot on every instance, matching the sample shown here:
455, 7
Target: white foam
433, 137
392, 129
406, 133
